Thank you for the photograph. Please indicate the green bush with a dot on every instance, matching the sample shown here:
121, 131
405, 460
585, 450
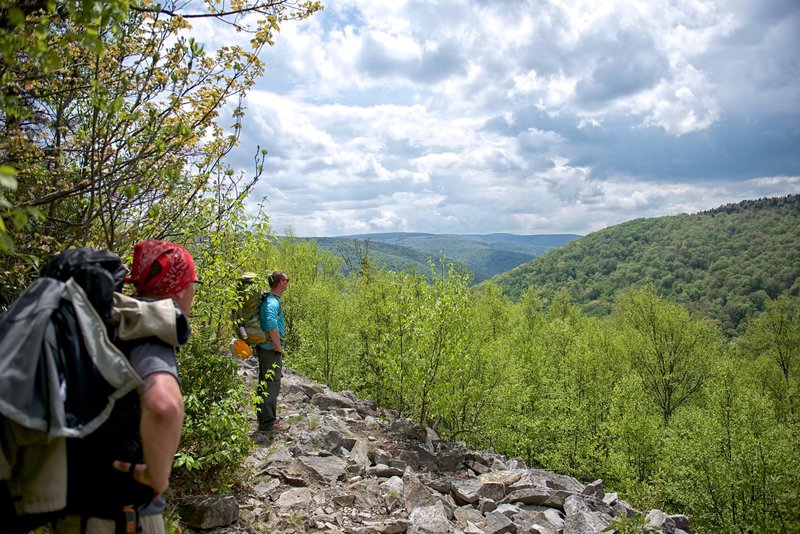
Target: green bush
215, 437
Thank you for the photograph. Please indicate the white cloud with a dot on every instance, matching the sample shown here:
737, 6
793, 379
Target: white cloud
530, 117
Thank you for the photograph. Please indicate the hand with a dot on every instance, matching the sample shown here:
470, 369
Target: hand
140, 475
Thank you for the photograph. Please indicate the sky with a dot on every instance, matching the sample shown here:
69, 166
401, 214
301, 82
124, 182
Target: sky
526, 117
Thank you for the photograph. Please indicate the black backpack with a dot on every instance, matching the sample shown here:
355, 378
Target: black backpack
60, 374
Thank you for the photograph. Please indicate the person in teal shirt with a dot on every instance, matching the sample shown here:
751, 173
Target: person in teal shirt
270, 353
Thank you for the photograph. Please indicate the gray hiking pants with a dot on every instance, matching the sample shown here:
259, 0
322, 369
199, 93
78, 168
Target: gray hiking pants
267, 409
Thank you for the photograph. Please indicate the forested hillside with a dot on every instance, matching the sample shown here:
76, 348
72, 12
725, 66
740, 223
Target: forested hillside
723, 263
483, 255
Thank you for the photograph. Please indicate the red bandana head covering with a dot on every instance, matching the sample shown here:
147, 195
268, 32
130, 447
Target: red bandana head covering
161, 268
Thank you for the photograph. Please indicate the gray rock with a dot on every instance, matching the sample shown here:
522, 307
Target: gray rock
442, 485
544, 522
346, 499
209, 511
466, 490
394, 484
450, 456
505, 477
266, 488
595, 489
379, 456
516, 463
426, 458
661, 521
409, 459
324, 476
486, 505
467, 514
538, 496
472, 528
326, 438
477, 467
610, 498
383, 471
279, 454
508, 510
429, 520
555, 481
294, 498
416, 494
431, 437
369, 494
681, 522
497, 523
325, 469
498, 464
359, 453
407, 429
580, 519
393, 493
328, 401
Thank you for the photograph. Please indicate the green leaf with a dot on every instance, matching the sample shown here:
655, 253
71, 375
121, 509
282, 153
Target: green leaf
7, 178
15, 16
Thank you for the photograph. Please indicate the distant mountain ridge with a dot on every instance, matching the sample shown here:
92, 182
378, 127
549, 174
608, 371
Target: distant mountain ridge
722, 263
485, 255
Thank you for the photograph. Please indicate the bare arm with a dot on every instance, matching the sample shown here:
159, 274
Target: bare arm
160, 427
275, 337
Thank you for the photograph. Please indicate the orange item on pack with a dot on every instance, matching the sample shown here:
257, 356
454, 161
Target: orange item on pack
241, 349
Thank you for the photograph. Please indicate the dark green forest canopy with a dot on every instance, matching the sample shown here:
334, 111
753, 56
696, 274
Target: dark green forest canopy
721, 264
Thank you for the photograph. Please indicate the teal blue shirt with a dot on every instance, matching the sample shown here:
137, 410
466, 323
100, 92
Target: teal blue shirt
270, 315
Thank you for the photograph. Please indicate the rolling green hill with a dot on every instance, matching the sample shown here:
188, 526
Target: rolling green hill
721, 263
484, 255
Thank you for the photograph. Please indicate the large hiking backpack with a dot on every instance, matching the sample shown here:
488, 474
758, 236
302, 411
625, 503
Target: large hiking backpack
246, 320
60, 376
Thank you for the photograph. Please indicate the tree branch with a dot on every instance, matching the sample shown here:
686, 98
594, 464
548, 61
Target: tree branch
258, 8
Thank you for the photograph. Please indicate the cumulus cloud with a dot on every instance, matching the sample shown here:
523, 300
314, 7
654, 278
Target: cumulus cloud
526, 117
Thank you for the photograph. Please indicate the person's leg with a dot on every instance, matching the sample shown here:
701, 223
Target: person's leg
269, 372
274, 387
94, 525
152, 524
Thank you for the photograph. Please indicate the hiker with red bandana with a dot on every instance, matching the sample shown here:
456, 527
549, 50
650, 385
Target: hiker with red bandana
130, 456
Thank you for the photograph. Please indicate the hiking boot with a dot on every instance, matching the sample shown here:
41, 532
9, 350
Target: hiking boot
280, 426
277, 426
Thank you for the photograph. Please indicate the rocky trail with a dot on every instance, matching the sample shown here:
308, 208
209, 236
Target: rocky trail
345, 466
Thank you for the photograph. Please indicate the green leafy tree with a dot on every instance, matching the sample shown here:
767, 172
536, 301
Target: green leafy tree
404, 299
479, 369
669, 350
730, 466
441, 343
127, 140
634, 430
32, 41
512, 426
773, 340
719, 264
